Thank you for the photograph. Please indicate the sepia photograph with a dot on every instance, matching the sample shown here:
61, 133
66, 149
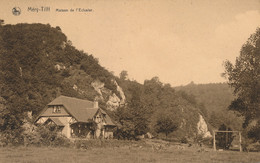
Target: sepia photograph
112, 81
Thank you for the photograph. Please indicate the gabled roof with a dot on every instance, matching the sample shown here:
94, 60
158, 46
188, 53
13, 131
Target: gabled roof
107, 118
56, 121
81, 110
72, 101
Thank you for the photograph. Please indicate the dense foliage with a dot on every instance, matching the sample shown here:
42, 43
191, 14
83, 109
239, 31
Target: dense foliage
157, 108
38, 63
166, 123
244, 77
214, 100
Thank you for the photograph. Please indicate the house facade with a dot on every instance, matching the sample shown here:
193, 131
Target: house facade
77, 118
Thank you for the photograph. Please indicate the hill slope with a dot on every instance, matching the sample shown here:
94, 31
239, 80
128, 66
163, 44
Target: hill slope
38, 63
216, 97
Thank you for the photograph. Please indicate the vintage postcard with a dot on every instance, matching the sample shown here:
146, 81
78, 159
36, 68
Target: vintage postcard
129, 81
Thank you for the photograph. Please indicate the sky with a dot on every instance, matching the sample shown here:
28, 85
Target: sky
178, 41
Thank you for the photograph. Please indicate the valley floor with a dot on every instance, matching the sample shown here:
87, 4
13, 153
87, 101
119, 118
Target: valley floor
173, 153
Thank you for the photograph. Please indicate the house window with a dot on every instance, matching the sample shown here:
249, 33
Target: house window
56, 109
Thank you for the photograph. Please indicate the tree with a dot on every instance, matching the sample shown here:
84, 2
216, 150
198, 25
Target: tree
123, 75
133, 118
244, 77
2, 22
166, 123
133, 122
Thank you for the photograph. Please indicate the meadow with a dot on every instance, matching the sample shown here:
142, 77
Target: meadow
126, 153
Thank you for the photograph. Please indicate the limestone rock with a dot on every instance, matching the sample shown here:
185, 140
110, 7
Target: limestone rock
98, 86
203, 128
59, 67
113, 103
122, 95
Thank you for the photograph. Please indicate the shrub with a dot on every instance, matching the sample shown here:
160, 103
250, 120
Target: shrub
184, 140
46, 136
10, 138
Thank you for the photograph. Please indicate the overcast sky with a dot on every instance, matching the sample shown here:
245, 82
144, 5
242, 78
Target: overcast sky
178, 41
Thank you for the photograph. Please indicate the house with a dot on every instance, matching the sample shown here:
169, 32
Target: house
76, 118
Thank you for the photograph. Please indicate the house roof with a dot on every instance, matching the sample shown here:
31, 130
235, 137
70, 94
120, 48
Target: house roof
109, 121
61, 100
56, 121
81, 110
107, 118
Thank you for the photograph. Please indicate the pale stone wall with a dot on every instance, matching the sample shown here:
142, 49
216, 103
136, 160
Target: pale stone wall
66, 131
108, 135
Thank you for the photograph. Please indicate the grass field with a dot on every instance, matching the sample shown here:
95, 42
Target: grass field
124, 154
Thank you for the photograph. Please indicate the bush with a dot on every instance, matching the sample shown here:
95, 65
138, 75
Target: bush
46, 136
11, 138
184, 140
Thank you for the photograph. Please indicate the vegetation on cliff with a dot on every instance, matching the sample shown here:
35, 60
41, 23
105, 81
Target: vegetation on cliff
244, 78
215, 99
38, 63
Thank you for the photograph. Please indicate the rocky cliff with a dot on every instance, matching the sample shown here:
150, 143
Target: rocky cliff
113, 101
202, 128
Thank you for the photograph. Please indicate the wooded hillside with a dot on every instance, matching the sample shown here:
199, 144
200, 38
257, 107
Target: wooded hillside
38, 63
216, 98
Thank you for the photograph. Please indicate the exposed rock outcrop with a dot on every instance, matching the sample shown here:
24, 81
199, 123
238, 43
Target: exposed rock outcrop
113, 101
122, 95
203, 128
98, 86
59, 67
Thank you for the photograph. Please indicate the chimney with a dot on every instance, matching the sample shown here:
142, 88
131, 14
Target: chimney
95, 104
